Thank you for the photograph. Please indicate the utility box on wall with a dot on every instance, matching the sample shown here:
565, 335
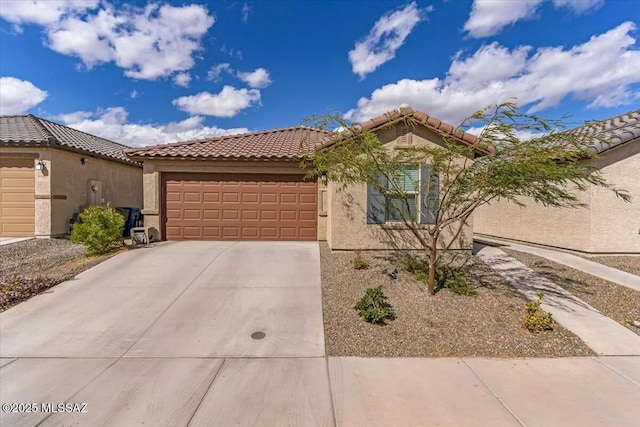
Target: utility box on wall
94, 192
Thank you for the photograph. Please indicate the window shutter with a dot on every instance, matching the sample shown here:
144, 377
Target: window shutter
376, 203
430, 208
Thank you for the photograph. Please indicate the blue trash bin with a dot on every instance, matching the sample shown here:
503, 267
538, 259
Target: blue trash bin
132, 217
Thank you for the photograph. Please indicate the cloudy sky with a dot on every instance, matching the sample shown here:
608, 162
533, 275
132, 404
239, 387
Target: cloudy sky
151, 72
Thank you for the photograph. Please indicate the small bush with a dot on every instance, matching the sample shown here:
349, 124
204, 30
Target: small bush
413, 265
454, 279
16, 287
536, 319
373, 307
447, 276
359, 262
100, 229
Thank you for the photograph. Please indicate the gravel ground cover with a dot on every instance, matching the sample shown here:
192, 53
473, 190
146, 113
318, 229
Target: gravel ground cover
628, 263
444, 325
618, 302
32, 266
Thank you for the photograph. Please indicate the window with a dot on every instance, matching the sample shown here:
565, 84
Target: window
414, 181
408, 181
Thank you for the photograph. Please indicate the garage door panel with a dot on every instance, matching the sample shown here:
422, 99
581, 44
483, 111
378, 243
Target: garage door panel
308, 199
211, 232
192, 197
17, 195
213, 214
245, 206
210, 197
269, 198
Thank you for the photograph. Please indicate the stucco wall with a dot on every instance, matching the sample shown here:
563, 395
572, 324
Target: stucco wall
608, 225
120, 185
152, 181
347, 227
615, 225
61, 187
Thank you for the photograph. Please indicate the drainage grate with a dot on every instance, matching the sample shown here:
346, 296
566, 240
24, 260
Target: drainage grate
258, 335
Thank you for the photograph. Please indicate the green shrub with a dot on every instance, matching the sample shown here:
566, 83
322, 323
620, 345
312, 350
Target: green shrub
100, 229
359, 262
536, 319
455, 279
413, 265
373, 307
447, 276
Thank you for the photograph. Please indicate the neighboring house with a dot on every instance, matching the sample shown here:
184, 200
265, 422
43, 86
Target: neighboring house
251, 187
606, 225
48, 172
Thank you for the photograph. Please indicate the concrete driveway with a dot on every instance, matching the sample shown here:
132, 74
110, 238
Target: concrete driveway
160, 325
161, 336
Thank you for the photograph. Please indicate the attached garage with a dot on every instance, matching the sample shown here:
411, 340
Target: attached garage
17, 197
248, 186
234, 206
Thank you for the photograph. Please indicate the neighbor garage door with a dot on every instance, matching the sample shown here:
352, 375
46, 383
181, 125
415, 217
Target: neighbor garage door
17, 197
239, 207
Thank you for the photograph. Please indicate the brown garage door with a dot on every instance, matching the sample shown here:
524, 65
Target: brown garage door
17, 197
239, 207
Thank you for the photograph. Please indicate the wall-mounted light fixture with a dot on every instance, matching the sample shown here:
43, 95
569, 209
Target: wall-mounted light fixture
40, 165
83, 160
323, 177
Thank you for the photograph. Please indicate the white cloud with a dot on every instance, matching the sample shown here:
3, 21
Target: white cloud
18, 96
385, 38
134, 94
600, 71
489, 17
215, 73
147, 43
579, 6
112, 124
182, 79
246, 12
229, 102
258, 78
42, 12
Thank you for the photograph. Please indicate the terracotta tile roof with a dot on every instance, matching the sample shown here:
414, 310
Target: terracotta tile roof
418, 117
277, 144
614, 131
31, 131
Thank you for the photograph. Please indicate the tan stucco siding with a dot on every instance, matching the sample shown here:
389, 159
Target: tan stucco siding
152, 180
615, 225
61, 186
535, 223
606, 225
347, 227
120, 185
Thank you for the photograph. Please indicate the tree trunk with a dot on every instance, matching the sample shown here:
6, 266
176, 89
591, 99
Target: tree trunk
432, 272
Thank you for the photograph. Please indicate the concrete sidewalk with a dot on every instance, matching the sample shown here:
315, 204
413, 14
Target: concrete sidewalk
602, 334
595, 269
9, 240
335, 391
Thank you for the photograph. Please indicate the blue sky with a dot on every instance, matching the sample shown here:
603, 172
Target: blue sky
152, 72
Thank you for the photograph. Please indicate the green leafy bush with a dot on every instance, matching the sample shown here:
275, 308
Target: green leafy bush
100, 229
455, 279
536, 319
447, 276
373, 307
359, 262
413, 265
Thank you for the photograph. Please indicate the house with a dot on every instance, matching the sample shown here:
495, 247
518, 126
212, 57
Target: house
48, 172
606, 225
251, 186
